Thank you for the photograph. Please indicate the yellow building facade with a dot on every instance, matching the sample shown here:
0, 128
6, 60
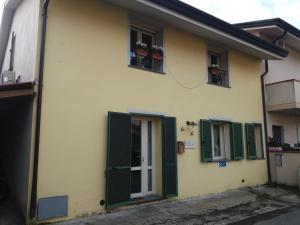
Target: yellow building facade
87, 75
140, 101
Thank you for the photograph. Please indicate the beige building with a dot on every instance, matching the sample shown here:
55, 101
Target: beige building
133, 101
282, 88
284, 167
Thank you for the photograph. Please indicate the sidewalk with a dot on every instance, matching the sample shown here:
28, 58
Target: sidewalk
225, 208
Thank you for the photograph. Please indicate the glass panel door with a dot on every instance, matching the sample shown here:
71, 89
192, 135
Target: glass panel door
142, 166
150, 156
136, 159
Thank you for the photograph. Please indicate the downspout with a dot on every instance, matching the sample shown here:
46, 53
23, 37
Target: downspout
33, 200
265, 117
280, 37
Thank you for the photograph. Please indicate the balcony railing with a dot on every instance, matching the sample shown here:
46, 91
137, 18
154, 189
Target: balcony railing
283, 95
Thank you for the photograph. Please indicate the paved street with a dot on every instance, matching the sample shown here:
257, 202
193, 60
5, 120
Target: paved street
259, 206
287, 216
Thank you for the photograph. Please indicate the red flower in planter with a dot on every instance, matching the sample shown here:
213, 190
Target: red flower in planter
215, 71
141, 49
157, 53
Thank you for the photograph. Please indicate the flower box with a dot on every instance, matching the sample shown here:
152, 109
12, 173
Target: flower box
275, 149
157, 53
141, 49
214, 70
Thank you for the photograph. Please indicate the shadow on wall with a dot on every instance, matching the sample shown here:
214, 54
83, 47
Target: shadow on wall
15, 139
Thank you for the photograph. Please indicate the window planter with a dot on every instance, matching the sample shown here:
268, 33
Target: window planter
275, 149
157, 53
141, 49
214, 70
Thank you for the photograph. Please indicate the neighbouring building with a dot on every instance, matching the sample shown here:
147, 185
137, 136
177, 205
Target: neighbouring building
132, 101
282, 88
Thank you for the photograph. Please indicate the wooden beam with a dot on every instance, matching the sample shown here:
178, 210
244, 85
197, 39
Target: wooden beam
16, 93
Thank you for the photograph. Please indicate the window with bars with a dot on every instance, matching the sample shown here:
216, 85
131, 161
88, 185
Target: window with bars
218, 68
146, 50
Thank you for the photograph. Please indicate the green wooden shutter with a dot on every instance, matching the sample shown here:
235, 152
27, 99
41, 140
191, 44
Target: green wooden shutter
118, 159
261, 140
206, 141
237, 144
250, 137
170, 186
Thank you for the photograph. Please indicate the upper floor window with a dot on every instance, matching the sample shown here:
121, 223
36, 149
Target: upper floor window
146, 50
218, 67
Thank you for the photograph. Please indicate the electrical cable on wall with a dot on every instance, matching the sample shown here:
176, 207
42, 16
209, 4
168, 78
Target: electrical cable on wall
182, 85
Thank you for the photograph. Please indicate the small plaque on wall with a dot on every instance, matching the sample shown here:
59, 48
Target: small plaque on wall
190, 144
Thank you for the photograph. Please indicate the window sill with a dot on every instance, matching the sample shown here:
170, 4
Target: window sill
218, 85
257, 159
140, 68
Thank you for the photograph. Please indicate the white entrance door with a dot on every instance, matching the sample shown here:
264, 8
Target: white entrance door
142, 158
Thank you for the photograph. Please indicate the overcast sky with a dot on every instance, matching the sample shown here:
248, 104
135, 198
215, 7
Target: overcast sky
235, 11
1, 7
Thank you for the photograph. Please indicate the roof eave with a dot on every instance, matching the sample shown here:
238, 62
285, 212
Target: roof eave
269, 50
271, 22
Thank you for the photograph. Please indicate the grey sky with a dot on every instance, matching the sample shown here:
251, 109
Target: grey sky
235, 11
1, 7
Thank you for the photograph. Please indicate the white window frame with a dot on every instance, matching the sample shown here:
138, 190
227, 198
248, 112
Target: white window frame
210, 54
224, 141
140, 31
211, 49
148, 27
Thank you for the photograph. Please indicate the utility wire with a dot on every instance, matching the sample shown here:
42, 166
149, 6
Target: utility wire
181, 84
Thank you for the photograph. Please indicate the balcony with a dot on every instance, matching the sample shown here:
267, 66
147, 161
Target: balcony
283, 96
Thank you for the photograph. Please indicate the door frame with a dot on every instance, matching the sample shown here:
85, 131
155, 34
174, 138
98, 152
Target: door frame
168, 129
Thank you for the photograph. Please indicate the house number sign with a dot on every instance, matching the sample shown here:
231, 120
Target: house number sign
222, 163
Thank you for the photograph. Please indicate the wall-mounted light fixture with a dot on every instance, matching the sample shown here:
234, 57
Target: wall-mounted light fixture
191, 123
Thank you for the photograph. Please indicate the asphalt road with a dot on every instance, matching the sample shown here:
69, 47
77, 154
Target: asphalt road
287, 216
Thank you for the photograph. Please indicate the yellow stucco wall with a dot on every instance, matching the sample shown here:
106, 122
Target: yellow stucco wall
87, 75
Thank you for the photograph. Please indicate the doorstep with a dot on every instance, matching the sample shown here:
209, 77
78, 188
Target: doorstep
141, 202
145, 200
